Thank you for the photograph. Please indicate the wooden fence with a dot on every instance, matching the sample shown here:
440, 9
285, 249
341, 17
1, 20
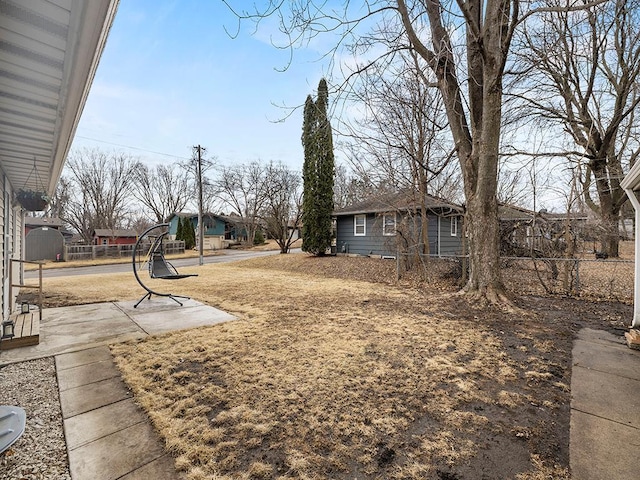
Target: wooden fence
92, 252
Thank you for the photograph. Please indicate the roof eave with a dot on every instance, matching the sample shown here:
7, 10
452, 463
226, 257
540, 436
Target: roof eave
92, 22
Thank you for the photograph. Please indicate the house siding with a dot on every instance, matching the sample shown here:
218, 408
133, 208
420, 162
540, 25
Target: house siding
218, 227
11, 244
372, 243
5, 206
450, 245
115, 240
375, 243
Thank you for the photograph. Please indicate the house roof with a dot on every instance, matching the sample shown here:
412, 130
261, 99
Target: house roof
508, 212
48, 57
514, 212
399, 201
42, 222
107, 232
192, 215
226, 218
632, 180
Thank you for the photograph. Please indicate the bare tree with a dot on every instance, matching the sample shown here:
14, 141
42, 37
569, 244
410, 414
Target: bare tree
101, 186
402, 136
243, 188
163, 190
465, 43
60, 199
350, 187
283, 206
582, 73
475, 123
475, 64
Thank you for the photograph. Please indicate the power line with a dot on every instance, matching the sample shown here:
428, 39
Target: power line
133, 148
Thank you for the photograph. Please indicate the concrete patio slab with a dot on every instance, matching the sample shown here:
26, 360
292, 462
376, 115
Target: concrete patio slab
162, 468
101, 422
85, 374
155, 304
599, 448
158, 322
605, 407
94, 395
82, 357
116, 455
79, 314
70, 329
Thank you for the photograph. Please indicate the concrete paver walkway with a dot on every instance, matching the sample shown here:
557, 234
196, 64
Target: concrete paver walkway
605, 408
108, 437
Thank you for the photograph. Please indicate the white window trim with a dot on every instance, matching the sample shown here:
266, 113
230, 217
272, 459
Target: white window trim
454, 226
384, 224
364, 225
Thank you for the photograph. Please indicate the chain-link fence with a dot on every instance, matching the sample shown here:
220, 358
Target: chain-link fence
609, 279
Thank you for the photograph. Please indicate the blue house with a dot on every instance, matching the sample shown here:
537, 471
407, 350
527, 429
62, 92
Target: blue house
219, 230
392, 223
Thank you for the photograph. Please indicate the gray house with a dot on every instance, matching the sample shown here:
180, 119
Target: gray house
392, 223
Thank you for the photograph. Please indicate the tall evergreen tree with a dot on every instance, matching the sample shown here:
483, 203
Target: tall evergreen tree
180, 229
189, 234
318, 173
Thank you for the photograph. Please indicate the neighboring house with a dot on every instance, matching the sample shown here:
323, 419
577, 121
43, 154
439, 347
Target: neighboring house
219, 230
31, 223
49, 55
391, 223
106, 236
522, 230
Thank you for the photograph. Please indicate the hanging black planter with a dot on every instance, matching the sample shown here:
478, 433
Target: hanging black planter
32, 201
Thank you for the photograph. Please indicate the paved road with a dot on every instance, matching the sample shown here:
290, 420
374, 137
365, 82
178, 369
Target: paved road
224, 257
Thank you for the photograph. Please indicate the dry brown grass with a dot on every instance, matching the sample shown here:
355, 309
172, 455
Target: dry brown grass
326, 377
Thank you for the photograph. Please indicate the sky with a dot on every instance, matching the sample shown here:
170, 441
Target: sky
179, 73
171, 77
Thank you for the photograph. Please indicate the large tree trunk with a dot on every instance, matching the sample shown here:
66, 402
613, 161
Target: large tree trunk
484, 255
609, 206
475, 126
480, 171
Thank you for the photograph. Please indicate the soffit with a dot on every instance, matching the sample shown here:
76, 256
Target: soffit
49, 51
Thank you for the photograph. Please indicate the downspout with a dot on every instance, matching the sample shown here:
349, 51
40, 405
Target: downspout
439, 239
636, 277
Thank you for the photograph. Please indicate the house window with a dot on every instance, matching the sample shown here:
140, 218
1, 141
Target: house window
360, 225
454, 226
389, 224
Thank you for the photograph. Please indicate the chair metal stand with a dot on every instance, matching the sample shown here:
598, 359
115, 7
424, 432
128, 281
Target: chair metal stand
158, 266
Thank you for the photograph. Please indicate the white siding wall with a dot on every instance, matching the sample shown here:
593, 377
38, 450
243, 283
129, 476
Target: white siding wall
4, 208
11, 235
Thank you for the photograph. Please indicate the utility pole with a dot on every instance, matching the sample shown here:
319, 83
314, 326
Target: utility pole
200, 223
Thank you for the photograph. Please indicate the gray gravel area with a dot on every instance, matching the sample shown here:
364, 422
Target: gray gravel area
41, 452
